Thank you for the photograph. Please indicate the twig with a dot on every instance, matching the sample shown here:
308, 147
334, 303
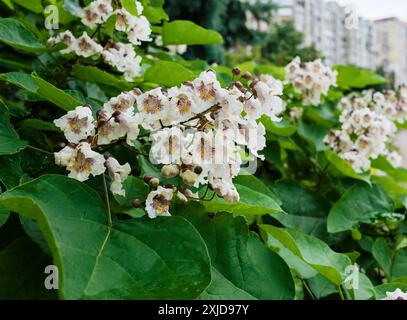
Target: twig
109, 213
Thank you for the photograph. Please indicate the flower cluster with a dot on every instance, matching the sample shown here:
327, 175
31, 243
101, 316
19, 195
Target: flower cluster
366, 133
119, 55
396, 295
137, 27
114, 121
310, 79
198, 133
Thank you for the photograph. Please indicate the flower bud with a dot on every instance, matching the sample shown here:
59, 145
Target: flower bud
136, 203
147, 179
247, 75
170, 171
182, 197
154, 182
198, 170
236, 71
137, 91
232, 197
170, 186
189, 177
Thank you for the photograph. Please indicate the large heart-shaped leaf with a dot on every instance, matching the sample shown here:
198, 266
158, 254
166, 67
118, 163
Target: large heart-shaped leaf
10, 143
4, 213
22, 266
314, 252
94, 74
38, 86
341, 168
141, 259
187, 32
253, 200
393, 262
11, 172
308, 213
360, 204
242, 267
168, 73
15, 34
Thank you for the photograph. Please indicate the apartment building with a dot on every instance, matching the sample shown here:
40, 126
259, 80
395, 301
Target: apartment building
324, 24
392, 47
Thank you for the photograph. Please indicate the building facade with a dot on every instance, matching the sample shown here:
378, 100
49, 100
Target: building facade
325, 25
392, 47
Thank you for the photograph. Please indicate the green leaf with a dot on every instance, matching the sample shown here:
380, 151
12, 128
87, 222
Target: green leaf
38, 124
393, 262
314, 252
10, 143
283, 128
96, 75
341, 168
16, 35
252, 202
168, 73
308, 213
321, 287
360, 204
32, 5
187, 32
313, 134
130, 6
135, 188
11, 172
163, 258
39, 86
4, 214
55, 95
353, 77
242, 267
22, 266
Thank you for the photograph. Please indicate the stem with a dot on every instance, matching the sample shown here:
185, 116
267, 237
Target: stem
308, 289
109, 213
40, 150
341, 293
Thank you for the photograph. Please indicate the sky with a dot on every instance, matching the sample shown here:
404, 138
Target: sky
376, 9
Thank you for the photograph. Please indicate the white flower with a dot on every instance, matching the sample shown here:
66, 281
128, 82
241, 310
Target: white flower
63, 157
68, 38
81, 161
130, 123
110, 131
268, 89
167, 146
118, 174
158, 202
359, 162
97, 12
207, 89
123, 58
139, 31
395, 159
182, 104
123, 103
152, 106
396, 295
311, 79
178, 49
87, 47
77, 124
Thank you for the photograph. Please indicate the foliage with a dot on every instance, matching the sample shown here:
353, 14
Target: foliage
303, 218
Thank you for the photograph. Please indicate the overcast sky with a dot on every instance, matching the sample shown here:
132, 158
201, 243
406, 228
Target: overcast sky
376, 9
